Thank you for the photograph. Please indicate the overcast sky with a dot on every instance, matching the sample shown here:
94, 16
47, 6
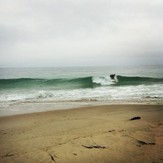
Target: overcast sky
50, 33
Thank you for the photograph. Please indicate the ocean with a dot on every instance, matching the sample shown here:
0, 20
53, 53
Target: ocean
26, 90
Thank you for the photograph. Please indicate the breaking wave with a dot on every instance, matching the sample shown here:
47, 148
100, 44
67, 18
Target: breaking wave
75, 83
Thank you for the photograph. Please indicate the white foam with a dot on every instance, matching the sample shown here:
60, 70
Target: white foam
105, 93
104, 81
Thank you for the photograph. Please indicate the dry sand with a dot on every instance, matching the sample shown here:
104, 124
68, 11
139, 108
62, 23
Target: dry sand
101, 134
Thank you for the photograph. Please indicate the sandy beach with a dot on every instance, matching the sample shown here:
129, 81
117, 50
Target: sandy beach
100, 134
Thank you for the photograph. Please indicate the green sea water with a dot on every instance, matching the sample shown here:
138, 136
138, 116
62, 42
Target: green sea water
23, 89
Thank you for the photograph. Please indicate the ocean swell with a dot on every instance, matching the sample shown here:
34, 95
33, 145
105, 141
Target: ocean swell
136, 80
34, 83
74, 83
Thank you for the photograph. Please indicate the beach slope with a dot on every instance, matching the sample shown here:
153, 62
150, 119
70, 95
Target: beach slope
100, 134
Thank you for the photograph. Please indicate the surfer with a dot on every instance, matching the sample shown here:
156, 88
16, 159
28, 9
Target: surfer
112, 76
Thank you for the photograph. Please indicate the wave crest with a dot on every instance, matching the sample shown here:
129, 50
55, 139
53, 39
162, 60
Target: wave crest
136, 80
74, 83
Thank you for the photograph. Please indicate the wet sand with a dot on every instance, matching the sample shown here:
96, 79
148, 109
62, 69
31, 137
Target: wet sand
101, 134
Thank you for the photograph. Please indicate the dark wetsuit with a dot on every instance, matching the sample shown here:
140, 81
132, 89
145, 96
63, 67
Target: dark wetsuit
112, 76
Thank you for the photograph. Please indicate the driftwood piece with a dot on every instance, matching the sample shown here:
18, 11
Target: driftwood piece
141, 142
93, 146
8, 155
145, 143
52, 157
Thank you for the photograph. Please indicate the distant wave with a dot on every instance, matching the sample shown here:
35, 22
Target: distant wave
74, 83
136, 80
34, 83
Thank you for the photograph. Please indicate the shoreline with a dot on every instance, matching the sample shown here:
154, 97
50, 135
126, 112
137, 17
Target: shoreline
101, 134
48, 107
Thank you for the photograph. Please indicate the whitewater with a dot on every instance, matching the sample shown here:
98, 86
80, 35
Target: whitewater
39, 89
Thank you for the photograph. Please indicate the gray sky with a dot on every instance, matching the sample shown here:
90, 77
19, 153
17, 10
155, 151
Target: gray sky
80, 32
